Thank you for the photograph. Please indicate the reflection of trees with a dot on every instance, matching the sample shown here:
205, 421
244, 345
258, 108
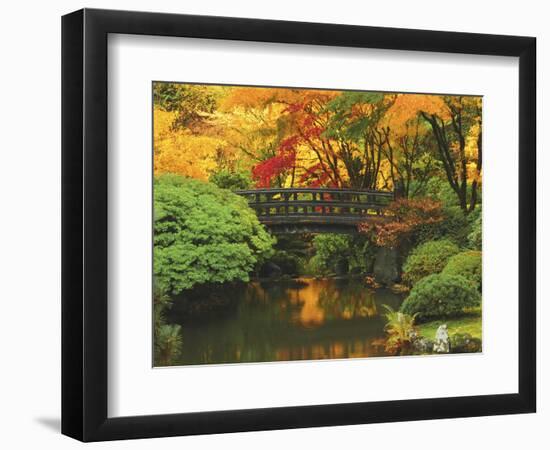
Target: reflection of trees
249, 335
348, 302
279, 299
268, 323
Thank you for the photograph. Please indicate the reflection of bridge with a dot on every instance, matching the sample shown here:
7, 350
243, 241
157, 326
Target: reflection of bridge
317, 210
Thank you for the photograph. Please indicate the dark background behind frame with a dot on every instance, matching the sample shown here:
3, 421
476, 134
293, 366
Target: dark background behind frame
84, 203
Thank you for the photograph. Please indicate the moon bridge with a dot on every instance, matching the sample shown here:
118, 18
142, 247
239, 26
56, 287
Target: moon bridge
317, 210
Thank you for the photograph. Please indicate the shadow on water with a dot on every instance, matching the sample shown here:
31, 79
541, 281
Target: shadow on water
285, 321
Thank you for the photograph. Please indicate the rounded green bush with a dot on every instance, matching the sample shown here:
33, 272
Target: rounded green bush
439, 295
467, 265
427, 259
204, 234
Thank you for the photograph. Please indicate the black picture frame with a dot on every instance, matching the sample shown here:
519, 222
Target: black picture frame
84, 224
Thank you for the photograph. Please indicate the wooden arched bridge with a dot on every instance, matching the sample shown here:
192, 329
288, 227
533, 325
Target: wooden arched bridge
317, 210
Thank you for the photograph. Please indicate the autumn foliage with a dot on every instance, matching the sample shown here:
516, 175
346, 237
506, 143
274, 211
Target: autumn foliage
284, 137
404, 217
285, 159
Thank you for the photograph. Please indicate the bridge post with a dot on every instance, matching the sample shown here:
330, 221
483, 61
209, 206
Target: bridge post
285, 196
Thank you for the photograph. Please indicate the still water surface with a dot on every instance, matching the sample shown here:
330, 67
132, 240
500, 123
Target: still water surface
291, 320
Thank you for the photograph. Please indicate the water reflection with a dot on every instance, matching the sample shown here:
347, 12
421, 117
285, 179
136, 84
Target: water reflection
293, 320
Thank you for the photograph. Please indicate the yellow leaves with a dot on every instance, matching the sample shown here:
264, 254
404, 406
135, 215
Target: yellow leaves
248, 125
471, 141
472, 173
181, 152
471, 151
248, 97
407, 107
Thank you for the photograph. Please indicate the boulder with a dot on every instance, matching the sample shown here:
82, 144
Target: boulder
422, 345
270, 270
386, 266
465, 343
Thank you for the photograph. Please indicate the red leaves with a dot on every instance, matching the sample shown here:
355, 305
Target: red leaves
289, 144
314, 176
309, 129
265, 171
294, 107
285, 159
312, 132
406, 216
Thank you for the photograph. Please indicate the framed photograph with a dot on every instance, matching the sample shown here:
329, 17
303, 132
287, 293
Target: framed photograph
273, 224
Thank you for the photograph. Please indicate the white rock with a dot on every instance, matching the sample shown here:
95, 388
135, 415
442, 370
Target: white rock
442, 342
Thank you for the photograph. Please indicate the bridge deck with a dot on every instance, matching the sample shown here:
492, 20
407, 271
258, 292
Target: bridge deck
286, 210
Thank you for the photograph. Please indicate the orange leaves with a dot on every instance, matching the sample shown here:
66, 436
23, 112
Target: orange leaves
248, 97
406, 216
306, 137
407, 107
259, 97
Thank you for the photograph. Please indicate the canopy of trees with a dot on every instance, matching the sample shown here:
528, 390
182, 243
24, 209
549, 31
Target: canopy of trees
284, 137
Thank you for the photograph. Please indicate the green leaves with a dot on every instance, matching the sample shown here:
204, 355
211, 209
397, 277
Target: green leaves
348, 99
346, 122
356, 129
233, 181
400, 328
332, 248
428, 258
191, 102
441, 295
168, 342
204, 234
467, 265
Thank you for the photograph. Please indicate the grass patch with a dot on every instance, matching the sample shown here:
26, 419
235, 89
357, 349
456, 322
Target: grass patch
469, 323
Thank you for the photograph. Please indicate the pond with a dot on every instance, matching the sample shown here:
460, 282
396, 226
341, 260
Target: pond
299, 319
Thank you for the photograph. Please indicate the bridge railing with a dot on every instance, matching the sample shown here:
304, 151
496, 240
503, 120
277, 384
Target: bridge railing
347, 204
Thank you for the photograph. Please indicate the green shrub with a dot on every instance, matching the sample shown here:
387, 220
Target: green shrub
466, 264
427, 259
400, 330
475, 236
330, 249
291, 252
439, 189
204, 234
289, 263
455, 226
231, 180
161, 303
334, 249
439, 296
168, 342
313, 266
